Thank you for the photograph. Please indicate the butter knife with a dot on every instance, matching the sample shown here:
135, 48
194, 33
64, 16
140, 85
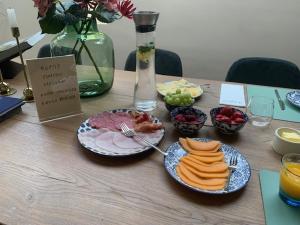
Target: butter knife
281, 103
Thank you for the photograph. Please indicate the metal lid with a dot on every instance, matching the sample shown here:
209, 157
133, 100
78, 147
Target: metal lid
145, 21
145, 18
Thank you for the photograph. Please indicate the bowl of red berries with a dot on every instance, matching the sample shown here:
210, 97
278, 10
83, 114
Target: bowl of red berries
228, 120
188, 120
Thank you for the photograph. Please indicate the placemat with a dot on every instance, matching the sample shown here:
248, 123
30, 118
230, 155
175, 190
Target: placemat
291, 113
276, 211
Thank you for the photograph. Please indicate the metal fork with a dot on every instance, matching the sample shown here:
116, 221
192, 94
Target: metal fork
232, 167
131, 133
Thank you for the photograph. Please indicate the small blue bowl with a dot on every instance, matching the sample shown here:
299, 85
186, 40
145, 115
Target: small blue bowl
227, 128
187, 128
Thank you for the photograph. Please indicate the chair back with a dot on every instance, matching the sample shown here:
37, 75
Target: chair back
166, 63
265, 71
44, 51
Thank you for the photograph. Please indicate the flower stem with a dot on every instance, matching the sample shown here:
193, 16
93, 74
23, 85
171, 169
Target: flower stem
83, 45
93, 61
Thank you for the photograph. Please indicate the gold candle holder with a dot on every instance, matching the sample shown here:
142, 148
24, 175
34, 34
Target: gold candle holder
5, 88
27, 92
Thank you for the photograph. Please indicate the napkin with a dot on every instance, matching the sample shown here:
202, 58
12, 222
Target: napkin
291, 113
232, 94
276, 211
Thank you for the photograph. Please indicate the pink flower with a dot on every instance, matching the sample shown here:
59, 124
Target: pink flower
43, 6
126, 8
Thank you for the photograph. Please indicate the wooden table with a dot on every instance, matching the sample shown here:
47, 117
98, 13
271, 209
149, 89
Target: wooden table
46, 177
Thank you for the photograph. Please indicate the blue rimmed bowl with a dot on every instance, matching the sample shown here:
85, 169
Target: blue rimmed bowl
224, 127
188, 128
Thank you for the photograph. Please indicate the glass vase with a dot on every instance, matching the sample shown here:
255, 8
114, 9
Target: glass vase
94, 56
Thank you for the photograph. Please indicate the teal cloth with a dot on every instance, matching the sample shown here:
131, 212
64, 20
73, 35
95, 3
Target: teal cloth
276, 211
291, 113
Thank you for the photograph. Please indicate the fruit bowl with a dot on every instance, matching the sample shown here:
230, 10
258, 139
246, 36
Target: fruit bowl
178, 99
228, 120
188, 120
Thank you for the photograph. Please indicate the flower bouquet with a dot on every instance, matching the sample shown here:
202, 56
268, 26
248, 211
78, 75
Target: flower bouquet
75, 23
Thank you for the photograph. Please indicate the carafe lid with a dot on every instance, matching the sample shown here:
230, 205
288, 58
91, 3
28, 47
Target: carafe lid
145, 21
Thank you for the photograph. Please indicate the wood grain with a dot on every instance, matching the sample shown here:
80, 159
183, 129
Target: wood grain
46, 177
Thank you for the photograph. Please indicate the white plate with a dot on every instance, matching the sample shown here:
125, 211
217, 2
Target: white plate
85, 127
185, 86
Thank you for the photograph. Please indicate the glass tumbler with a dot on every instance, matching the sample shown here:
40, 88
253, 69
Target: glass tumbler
260, 111
289, 185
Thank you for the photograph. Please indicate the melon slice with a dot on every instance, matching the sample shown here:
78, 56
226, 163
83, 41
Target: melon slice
203, 146
193, 184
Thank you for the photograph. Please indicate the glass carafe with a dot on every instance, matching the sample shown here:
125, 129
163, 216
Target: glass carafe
145, 86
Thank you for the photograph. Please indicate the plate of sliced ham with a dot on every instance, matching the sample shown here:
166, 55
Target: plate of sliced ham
101, 133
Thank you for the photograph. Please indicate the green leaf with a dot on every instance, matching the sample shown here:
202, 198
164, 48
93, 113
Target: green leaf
53, 22
105, 16
77, 11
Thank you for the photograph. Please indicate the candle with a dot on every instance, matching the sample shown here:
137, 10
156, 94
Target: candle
12, 19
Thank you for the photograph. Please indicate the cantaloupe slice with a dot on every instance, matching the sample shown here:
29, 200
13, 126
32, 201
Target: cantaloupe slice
206, 175
207, 153
209, 159
214, 168
202, 146
187, 148
193, 184
198, 180
188, 157
197, 161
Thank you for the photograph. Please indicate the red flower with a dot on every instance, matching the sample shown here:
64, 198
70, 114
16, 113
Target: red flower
43, 6
126, 8
87, 3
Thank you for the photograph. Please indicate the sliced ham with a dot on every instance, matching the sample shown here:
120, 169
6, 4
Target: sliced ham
105, 141
122, 141
102, 120
122, 117
153, 138
111, 121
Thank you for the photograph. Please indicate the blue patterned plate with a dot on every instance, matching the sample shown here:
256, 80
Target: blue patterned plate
89, 143
294, 98
239, 177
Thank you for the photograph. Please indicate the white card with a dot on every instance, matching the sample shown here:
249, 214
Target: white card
55, 87
232, 94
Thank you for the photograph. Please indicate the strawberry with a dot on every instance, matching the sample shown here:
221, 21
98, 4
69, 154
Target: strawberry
227, 111
236, 114
224, 119
239, 120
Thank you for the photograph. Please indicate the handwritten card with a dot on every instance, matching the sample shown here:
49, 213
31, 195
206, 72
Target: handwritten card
232, 94
55, 88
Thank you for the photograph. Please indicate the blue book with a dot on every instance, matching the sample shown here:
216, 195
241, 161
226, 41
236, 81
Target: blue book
9, 106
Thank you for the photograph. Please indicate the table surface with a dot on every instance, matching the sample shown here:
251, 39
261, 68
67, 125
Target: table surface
46, 177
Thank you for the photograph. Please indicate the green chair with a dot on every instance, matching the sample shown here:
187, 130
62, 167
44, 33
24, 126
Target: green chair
166, 63
265, 71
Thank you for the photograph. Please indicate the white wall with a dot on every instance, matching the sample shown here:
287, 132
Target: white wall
208, 34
